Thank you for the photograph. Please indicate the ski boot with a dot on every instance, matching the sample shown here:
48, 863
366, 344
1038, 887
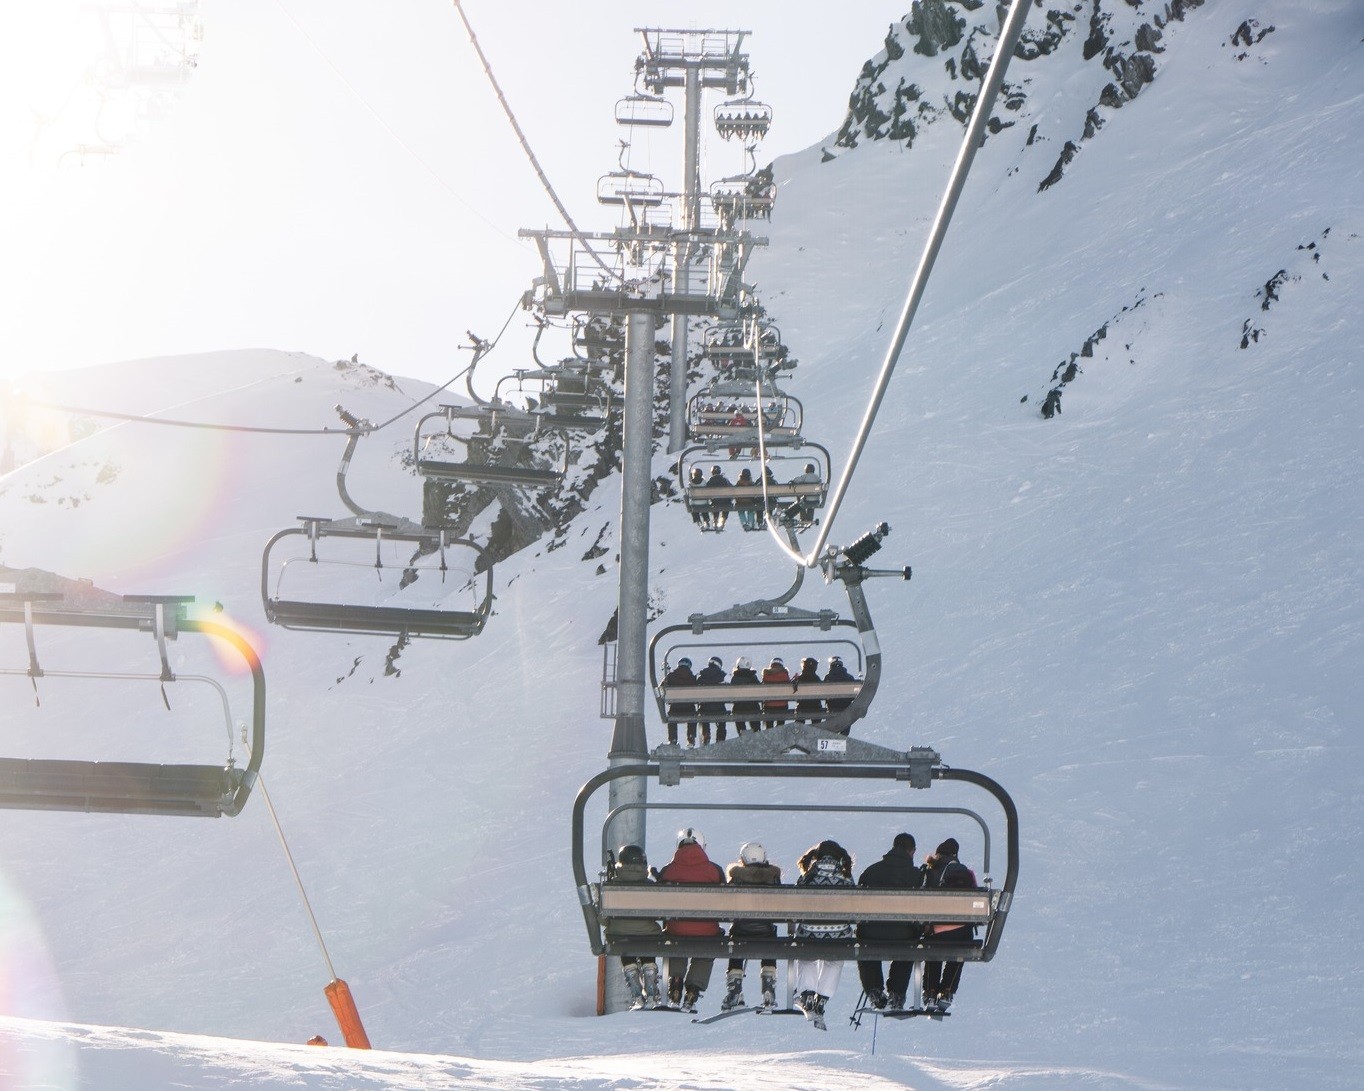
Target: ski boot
634, 983
734, 998
895, 1001
805, 1002
816, 1015
878, 1000
649, 982
769, 988
674, 992
689, 999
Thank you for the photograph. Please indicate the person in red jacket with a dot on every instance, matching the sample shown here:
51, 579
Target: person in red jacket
688, 978
775, 672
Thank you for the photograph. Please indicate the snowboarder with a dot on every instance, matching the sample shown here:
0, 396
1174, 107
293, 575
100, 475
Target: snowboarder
751, 869
688, 978
641, 973
826, 864
943, 870
896, 870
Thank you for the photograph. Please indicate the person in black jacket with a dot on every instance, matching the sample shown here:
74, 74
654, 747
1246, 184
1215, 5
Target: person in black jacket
719, 509
809, 672
837, 672
896, 870
745, 675
712, 674
944, 871
680, 675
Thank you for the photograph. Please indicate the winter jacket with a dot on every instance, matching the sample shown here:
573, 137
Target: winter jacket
690, 864
744, 676
630, 926
776, 674
826, 871
711, 675
948, 873
808, 674
896, 870
680, 676
838, 673
718, 481
741, 874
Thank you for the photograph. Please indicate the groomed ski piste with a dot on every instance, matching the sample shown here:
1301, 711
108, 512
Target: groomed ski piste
1144, 616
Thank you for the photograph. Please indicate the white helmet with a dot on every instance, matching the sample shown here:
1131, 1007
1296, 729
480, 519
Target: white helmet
743, 663
753, 853
691, 836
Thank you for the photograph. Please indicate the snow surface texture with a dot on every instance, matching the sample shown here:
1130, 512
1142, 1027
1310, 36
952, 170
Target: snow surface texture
1144, 616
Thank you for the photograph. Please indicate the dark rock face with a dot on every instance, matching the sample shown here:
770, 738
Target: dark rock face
900, 91
1067, 371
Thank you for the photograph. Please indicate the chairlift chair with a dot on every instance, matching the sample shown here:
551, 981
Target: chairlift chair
796, 497
712, 413
488, 470
648, 111
630, 187
340, 550
131, 787
840, 772
744, 119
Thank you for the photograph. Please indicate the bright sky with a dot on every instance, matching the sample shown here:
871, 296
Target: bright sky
337, 177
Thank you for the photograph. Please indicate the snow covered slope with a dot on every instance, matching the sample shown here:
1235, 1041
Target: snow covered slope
1143, 615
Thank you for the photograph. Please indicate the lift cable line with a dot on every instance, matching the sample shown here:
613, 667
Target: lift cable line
363, 428
525, 145
389, 128
975, 134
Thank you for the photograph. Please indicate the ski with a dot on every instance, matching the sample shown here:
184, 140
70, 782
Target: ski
900, 1013
724, 1015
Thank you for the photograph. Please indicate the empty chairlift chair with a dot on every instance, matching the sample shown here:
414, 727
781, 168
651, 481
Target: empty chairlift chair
91, 660
370, 576
497, 457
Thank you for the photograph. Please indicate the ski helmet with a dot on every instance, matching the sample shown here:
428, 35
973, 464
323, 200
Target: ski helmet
631, 854
691, 836
809, 661
743, 663
776, 661
684, 662
715, 661
753, 853
809, 467
835, 661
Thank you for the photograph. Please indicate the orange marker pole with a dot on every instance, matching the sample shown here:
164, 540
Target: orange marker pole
347, 1015
601, 984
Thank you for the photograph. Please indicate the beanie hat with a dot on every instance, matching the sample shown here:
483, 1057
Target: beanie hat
949, 847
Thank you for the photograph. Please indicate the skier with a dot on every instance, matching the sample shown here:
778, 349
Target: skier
751, 869
700, 515
738, 421
712, 674
641, 973
719, 509
749, 509
826, 864
688, 978
680, 675
775, 673
837, 672
809, 672
745, 675
801, 510
943, 870
896, 870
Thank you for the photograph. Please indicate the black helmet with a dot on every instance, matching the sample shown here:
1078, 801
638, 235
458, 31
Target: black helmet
835, 661
684, 662
809, 661
631, 854
809, 467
